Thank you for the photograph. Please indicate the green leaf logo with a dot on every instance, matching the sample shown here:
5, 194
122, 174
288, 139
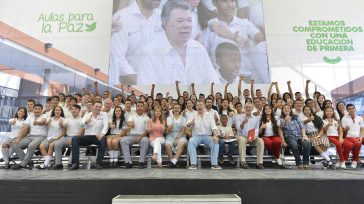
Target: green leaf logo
332, 61
91, 27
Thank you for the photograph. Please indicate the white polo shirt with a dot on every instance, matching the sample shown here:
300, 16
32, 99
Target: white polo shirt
165, 66
73, 126
38, 130
140, 123
253, 123
96, 126
354, 125
204, 125
247, 30
54, 128
16, 128
129, 44
332, 130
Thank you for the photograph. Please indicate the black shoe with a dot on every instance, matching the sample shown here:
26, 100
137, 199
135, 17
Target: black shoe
260, 166
231, 160
98, 166
244, 165
128, 165
16, 167
170, 165
221, 159
141, 165
57, 167
31, 165
325, 163
74, 167
6, 166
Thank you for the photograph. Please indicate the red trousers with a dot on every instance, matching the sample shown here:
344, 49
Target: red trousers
273, 145
352, 144
339, 147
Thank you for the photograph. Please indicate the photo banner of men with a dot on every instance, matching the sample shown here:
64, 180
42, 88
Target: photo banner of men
191, 41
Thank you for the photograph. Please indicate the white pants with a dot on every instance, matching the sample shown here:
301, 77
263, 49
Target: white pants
157, 148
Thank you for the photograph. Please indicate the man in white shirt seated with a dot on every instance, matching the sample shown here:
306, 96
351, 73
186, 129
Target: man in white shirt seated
175, 56
138, 135
245, 124
96, 126
36, 127
204, 131
138, 24
74, 127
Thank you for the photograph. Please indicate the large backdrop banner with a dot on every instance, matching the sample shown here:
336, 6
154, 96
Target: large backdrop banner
79, 28
191, 41
321, 41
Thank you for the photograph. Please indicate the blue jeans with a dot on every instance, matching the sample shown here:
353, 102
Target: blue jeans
195, 141
85, 140
298, 146
222, 147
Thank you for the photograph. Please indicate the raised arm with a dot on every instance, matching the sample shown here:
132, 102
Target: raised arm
252, 92
306, 89
53, 93
65, 89
177, 88
277, 89
226, 90
193, 89
152, 91
96, 84
223, 31
290, 89
270, 90
239, 86
212, 89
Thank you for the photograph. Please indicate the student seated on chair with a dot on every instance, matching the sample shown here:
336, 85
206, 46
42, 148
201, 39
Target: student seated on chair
35, 125
204, 131
245, 124
96, 126
138, 135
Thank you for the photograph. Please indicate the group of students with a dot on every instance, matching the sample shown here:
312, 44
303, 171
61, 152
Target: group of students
114, 124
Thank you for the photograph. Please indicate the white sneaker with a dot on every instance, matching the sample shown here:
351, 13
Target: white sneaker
354, 164
279, 162
216, 167
192, 167
342, 165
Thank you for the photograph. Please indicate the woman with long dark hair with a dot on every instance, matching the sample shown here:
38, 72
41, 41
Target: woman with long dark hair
118, 128
16, 124
315, 131
334, 131
269, 132
294, 136
55, 132
341, 109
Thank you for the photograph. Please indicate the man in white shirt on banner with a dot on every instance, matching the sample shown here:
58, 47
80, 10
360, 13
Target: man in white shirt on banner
175, 56
138, 24
204, 131
36, 126
96, 127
